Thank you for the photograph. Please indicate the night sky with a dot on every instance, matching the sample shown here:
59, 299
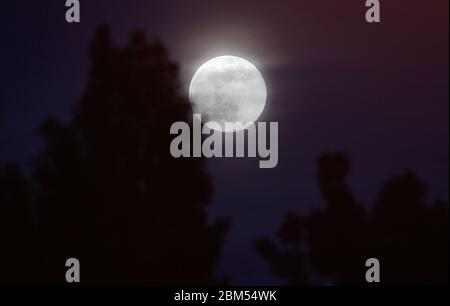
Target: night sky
335, 82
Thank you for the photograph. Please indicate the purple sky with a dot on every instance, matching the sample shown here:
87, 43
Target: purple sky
377, 91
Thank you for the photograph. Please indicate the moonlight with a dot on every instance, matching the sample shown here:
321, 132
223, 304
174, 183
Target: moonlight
228, 89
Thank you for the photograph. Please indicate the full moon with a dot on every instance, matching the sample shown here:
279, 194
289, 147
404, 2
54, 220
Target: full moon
228, 89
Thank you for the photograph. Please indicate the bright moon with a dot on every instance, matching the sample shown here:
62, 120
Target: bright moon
228, 89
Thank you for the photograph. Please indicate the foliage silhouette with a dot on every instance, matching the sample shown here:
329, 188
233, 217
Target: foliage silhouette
108, 192
409, 237
16, 241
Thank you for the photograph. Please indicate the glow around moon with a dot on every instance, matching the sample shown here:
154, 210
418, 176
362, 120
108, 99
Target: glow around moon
228, 89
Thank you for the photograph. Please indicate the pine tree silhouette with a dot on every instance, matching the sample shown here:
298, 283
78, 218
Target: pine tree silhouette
108, 191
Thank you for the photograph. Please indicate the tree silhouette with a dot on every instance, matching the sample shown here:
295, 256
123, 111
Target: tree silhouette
286, 263
108, 191
15, 227
409, 237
